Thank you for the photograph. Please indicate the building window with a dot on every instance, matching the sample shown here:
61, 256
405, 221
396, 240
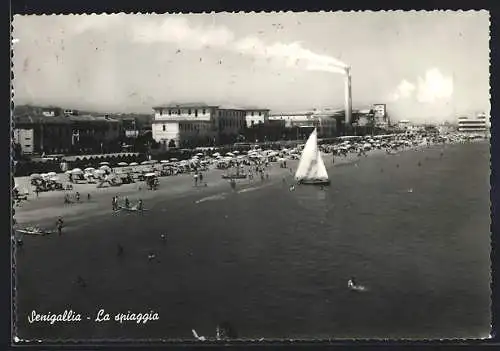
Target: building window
252, 114
196, 113
260, 113
170, 112
189, 111
164, 128
204, 111
179, 112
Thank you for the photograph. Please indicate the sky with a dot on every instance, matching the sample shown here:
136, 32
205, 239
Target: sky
426, 66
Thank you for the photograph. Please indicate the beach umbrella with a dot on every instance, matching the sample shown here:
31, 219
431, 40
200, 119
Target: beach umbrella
152, 174
134, 164
216, 154
51, 174
145, 163
54, 179
174, 159
122, 164
163, 161
35, 176
236, 152
199, 154
89, 169
76, 171
230, 154
104, 164
104, 167
67, 172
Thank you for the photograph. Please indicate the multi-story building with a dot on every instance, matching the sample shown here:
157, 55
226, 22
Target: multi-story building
293, 119
324, 121
479, 124
24, 137
380, 115
52, 130
130, 127
256, 116
189, 125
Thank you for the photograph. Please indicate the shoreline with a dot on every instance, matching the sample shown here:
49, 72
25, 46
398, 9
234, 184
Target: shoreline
49, 206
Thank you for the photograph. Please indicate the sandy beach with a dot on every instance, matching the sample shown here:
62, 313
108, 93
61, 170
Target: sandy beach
48, 206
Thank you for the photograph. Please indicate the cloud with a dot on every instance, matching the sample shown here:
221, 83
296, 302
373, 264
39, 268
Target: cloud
434, 86
181, 32
403, 91
431, 88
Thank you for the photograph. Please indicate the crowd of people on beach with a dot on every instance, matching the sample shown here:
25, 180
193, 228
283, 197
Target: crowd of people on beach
256, 163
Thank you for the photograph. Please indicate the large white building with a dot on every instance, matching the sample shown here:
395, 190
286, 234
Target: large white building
256, 116
188, 125
478, 124
24, 137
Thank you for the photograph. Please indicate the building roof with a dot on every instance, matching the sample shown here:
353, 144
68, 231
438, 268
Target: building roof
90, 118
203, 105
184, 105
41, 119
298, 113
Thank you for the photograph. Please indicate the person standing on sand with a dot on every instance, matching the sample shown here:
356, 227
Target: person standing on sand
195, 177
59, 224
77, 196
88, 197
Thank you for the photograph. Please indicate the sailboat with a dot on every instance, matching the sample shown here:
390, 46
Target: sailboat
311, 169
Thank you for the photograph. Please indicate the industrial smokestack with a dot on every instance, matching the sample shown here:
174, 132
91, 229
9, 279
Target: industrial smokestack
348, 96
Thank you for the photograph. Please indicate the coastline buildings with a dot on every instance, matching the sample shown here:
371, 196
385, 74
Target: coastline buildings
55, 131
325, 121
256, 116
196, 124
478, 124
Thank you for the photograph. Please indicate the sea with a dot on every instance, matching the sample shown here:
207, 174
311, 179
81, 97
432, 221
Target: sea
413, 228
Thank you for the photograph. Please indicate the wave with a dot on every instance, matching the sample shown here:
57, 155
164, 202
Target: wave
212, 198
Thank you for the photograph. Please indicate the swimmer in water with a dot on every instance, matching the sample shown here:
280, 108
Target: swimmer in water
292, 187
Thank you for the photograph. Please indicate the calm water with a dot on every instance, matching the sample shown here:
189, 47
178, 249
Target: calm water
275, 263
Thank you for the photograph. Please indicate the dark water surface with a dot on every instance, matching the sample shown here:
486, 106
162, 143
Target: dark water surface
275, 263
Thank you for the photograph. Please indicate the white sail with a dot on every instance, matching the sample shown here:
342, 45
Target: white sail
311, 165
